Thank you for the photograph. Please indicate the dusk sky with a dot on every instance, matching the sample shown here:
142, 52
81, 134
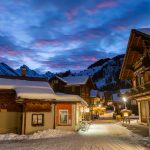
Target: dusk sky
57, 35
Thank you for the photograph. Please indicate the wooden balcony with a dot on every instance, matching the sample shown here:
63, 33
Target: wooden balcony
146, 61
139, 90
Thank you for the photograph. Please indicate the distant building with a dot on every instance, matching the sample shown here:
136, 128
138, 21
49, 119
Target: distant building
78, 85
136, 68
97, 103
117, 103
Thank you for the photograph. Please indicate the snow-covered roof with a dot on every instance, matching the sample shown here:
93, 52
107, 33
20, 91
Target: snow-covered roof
28, 89
61, 79
39, 90
76, 80
93, 93
144, 30
116, 98
69, 98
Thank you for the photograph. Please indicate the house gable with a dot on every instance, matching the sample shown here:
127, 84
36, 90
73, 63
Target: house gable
138, 45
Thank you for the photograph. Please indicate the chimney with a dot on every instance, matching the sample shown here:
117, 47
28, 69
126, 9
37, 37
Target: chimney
23, 71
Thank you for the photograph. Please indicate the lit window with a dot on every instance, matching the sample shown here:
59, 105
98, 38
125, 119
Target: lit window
63, 116
133, 102
56, 81
73, 89
38, 119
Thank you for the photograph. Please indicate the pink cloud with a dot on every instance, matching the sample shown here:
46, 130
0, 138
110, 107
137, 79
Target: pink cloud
42, 42
57, 65
121, 27
71, 14
91, 58
101, 5
78, 67
106, 4
7, 51
91, 10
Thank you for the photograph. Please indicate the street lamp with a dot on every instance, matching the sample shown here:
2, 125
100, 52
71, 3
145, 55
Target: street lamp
99, 105
125, 100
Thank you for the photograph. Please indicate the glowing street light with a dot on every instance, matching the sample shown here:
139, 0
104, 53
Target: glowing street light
125, 100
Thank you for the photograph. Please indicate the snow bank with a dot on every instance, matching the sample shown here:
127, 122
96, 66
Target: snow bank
133, 136
50, 133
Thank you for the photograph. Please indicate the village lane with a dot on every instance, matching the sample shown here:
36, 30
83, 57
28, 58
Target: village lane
100, 136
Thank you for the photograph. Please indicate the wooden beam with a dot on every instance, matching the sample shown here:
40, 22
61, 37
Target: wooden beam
136, 50
129, 67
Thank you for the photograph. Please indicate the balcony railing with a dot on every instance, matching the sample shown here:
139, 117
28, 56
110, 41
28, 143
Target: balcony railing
140, 89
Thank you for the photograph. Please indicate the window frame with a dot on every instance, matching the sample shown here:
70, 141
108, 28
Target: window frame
63, 110
73, 89
37, 122
56, 81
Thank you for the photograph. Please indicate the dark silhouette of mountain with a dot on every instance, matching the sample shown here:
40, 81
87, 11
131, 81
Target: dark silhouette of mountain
104, 72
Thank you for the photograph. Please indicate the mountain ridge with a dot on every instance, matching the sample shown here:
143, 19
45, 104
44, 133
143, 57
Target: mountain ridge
104, 72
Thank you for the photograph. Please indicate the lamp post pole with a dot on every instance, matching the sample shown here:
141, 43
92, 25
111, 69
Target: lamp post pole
125, 105
125, 100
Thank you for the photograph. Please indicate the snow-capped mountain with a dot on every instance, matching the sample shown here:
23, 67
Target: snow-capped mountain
105, 73
6, 70
48, 74
33, 73
30, 73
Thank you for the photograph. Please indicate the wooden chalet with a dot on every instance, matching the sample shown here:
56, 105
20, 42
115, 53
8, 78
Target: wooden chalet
30, 104
25, 104
97, 103
136, 68
58, 84
77, 85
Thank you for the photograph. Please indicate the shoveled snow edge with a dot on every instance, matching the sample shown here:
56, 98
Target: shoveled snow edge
50, 133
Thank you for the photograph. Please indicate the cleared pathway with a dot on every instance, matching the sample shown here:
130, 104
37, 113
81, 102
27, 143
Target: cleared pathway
104, 136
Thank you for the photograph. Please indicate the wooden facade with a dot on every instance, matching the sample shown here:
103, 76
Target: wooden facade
136, 68
10, 112
83, 90
37, 106
25, 115
7, 101
16, 112
57, 84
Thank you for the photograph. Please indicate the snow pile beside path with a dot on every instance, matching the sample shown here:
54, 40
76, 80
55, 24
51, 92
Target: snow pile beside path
50, 133
135, 137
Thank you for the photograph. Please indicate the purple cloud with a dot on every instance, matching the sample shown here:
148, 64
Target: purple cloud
59, 35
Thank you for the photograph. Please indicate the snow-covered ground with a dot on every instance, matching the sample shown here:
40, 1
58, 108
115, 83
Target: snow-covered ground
108, 114
105, 136
50, 133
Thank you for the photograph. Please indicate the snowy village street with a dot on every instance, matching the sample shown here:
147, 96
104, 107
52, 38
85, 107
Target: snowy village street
100, 136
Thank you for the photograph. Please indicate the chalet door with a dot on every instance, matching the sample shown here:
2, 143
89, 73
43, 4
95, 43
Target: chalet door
143, 112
